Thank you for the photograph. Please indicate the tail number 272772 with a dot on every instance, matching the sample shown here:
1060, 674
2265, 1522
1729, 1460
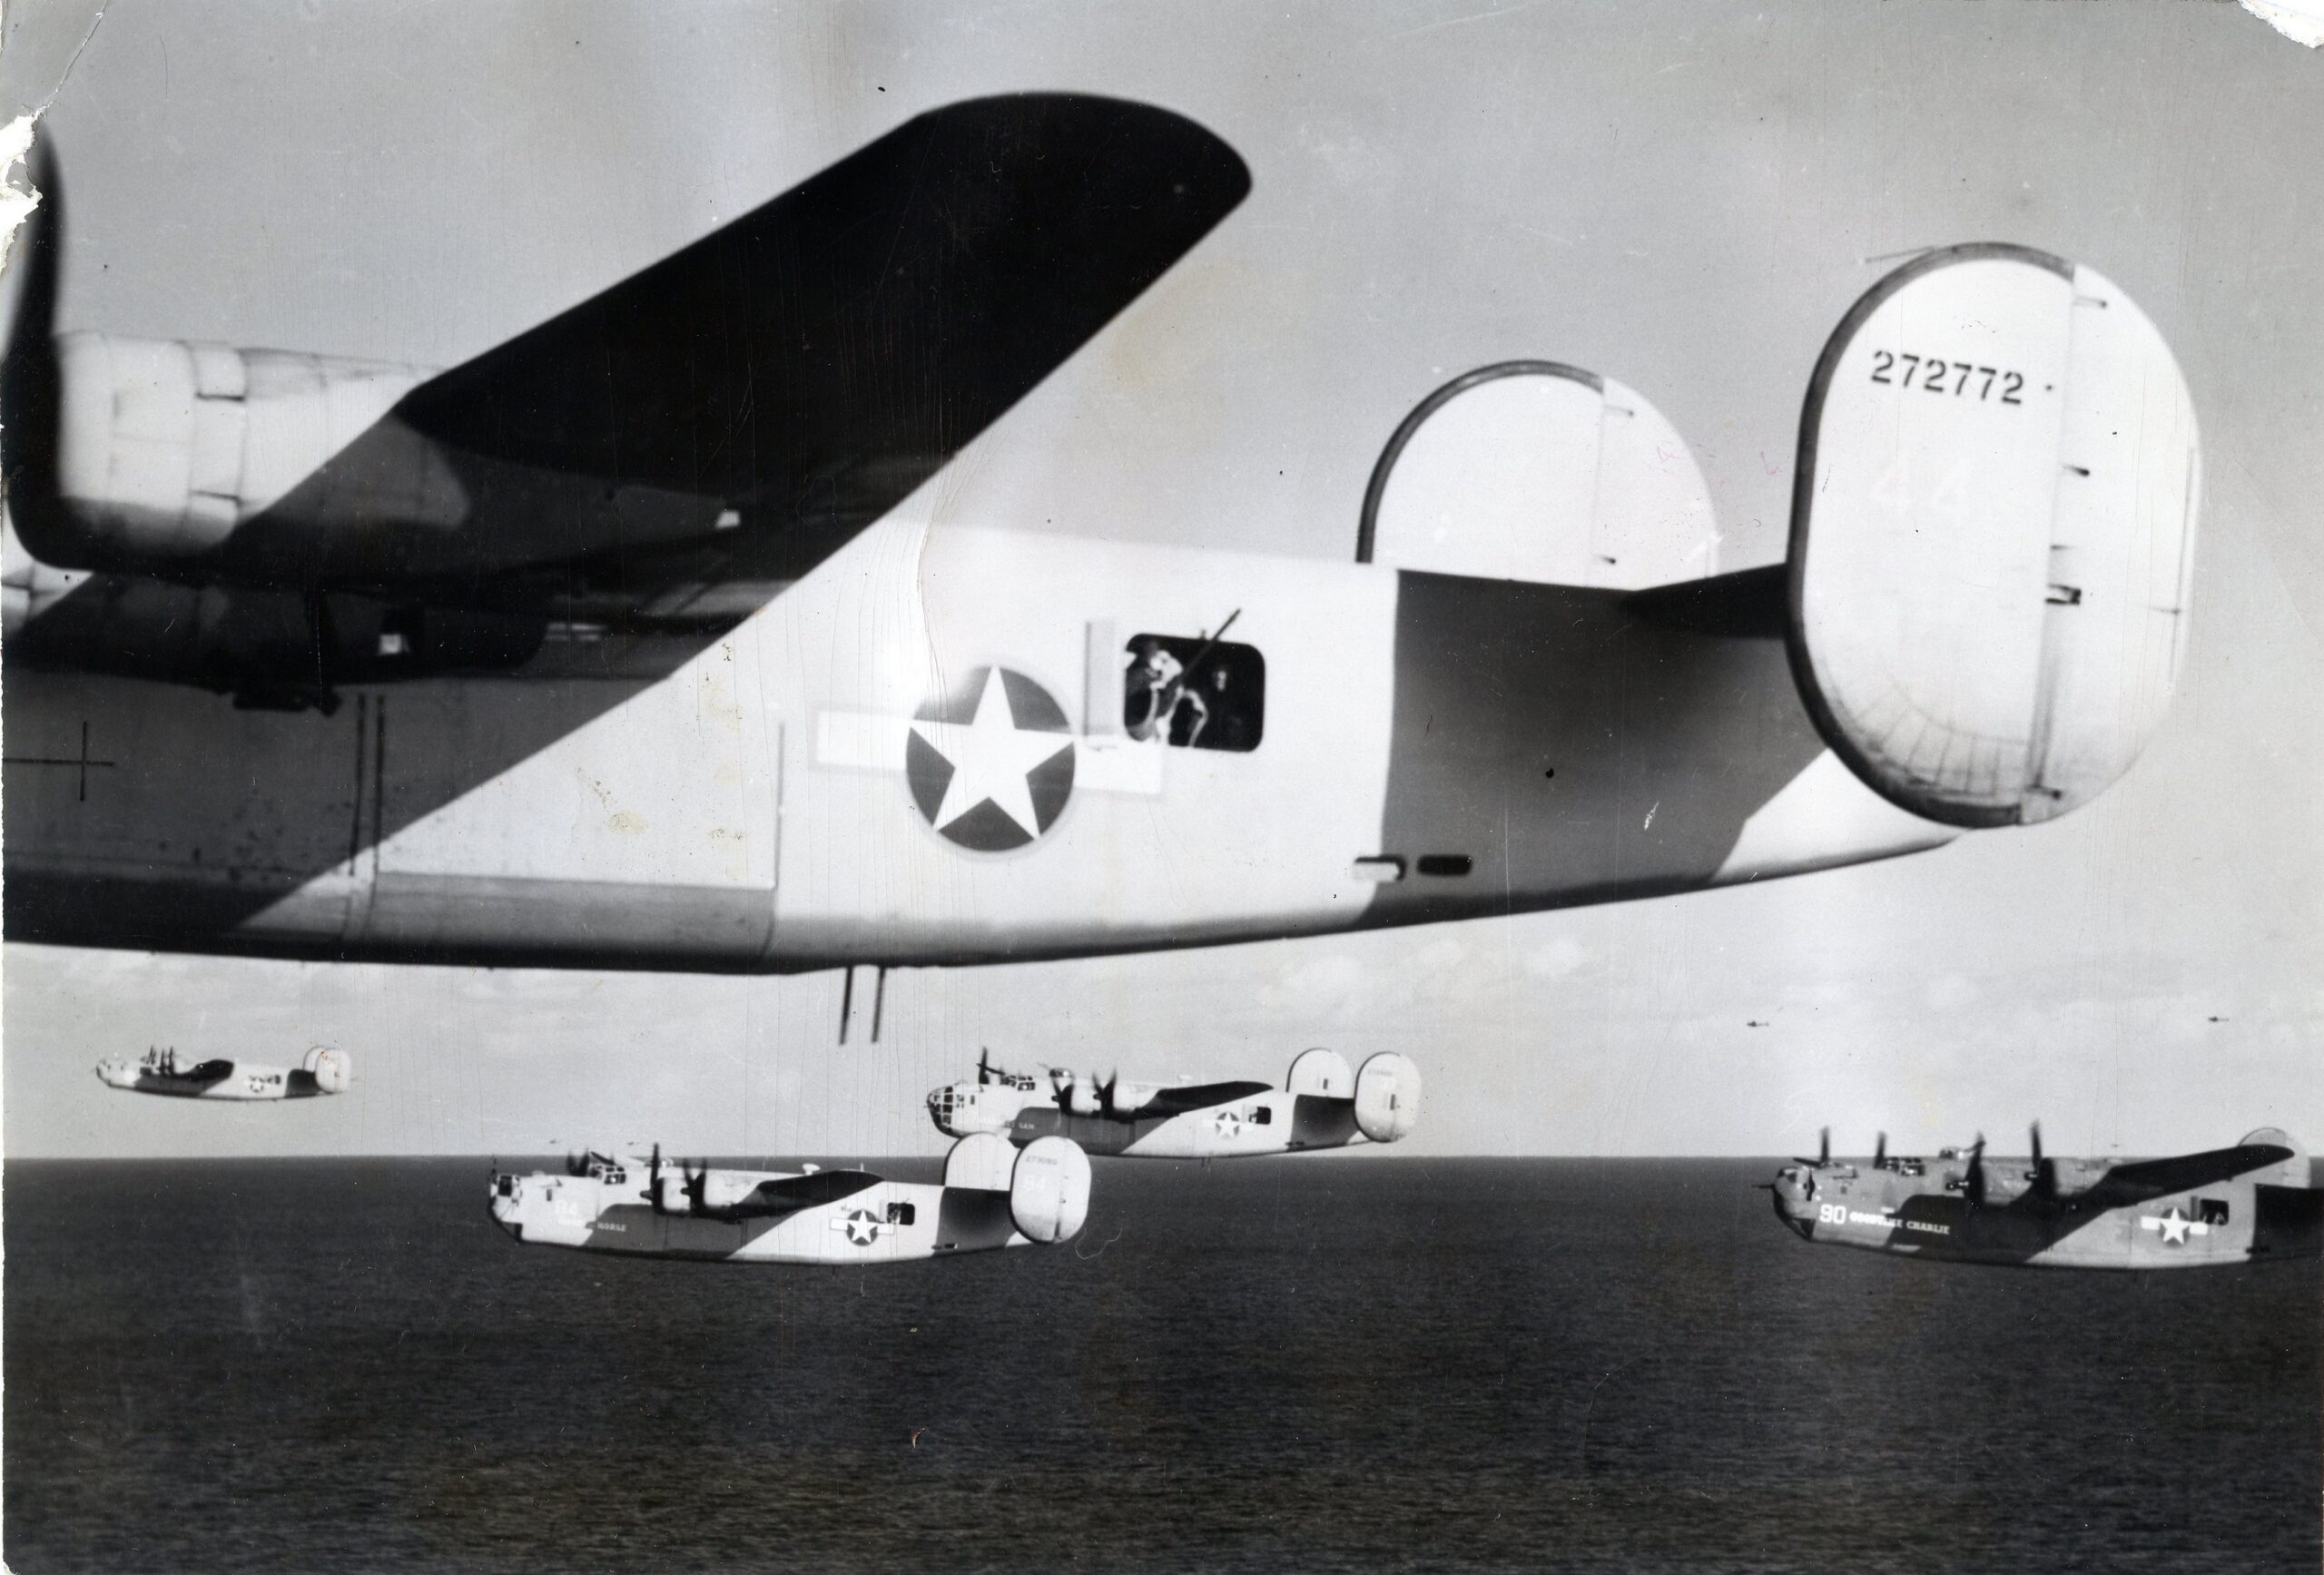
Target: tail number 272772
1932, 370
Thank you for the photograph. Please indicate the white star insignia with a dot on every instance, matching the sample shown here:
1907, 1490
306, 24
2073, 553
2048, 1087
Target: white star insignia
1228, 1123
2174, 1225
862, 1229
990, 758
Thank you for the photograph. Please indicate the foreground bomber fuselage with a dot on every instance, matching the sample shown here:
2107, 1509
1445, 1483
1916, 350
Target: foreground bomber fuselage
620, 645
764, 806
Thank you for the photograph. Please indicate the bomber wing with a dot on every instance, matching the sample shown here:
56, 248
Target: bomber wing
665, 455
2150, 1178
1177, 1101
739, 409
793, 1193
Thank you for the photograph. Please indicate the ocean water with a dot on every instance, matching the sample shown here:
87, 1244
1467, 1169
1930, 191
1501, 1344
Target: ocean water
1281, 1365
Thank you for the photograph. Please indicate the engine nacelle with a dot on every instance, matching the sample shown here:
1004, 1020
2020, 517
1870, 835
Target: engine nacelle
1049, 1190
982, 1160
1085, 1097
333, 1070
1322, 1072
670, 1195
1387, 1098
165, 448
261, 645
1993, 535
723, 1189
1127, 1098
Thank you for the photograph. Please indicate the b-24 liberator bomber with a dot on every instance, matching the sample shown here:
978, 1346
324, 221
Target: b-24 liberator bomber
1320, 1106
2255, 1201
636, 641
322, 1071
991, 1196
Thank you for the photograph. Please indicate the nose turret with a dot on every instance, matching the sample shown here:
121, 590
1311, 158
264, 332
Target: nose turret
507, 1202
944, 1106
1794, 1195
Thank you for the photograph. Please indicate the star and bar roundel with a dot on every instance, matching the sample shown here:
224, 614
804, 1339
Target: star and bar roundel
990, 764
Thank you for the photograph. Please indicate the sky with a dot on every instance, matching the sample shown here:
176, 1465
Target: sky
1682, 197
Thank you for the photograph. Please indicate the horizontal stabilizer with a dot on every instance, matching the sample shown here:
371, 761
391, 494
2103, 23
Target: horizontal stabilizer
1992, 535
1531, 470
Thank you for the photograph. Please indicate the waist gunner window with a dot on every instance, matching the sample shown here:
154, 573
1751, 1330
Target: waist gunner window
1194, 693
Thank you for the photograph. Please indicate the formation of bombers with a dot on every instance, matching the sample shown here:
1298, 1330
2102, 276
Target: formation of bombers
1019, 1174
531, 661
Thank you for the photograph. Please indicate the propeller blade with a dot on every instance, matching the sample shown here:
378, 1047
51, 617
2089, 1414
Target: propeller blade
2045, 1175
1880, 1152
29, 391
1824, 1146
1973, 1181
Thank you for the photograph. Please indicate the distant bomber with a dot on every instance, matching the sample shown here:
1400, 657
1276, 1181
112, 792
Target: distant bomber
991, 1196
161, 1072
1322, 1105
2228, 1205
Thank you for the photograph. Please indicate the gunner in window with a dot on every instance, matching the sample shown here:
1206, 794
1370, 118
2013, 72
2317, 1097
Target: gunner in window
1155, 695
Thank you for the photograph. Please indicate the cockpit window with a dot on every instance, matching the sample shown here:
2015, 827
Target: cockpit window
1194, 693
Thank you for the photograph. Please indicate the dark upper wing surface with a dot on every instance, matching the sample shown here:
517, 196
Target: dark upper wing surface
1177, 1101
792, 375
2148, 1178
812, 1190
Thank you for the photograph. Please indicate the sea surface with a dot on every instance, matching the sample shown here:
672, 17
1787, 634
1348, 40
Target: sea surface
1300, 1364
